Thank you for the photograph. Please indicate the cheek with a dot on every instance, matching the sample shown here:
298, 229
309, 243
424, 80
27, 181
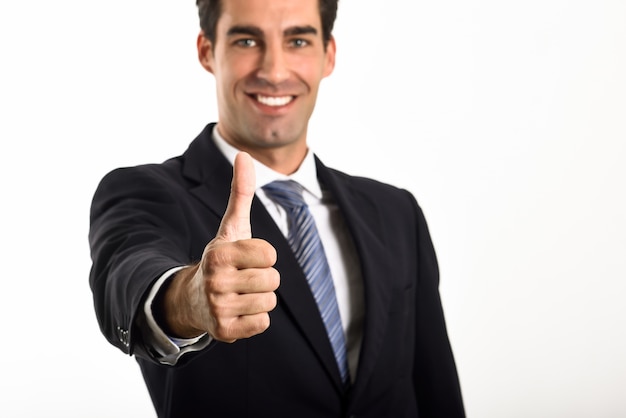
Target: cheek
226, 82
241, 63
315, 70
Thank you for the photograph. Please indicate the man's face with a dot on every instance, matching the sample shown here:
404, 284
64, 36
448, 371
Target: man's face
268, 61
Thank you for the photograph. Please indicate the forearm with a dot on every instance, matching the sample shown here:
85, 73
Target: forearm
172, 306
131, 247
164, 346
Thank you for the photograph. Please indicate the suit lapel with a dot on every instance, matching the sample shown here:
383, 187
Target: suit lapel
211, 172
365, 222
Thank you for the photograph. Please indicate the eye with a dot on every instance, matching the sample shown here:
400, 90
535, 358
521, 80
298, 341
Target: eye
246, 43
299, 43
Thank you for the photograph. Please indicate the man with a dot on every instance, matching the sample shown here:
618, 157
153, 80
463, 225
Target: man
233, 328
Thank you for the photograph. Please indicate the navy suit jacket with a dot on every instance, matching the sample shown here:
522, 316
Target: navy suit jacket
150, 218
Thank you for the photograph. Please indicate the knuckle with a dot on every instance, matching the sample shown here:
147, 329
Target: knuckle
219, 308
268, 302
220, 312
266, 253
274, 278
258, 325
269, 253
223, 331
215, 287
264, 322
215, 256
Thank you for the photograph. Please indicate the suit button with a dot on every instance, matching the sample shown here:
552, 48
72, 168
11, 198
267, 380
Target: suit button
122, 336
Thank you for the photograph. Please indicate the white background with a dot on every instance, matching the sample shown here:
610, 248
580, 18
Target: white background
506, 119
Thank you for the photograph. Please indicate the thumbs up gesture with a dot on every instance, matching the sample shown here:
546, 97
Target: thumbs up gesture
230, 292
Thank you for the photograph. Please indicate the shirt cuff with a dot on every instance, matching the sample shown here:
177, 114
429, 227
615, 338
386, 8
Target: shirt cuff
168, 350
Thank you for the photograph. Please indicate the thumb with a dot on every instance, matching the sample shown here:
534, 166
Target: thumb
235, 224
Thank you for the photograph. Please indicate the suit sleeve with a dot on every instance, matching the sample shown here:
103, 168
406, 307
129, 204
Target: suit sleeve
136, 230
435, 373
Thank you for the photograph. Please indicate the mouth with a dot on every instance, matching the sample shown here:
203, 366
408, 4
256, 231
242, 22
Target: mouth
273, 101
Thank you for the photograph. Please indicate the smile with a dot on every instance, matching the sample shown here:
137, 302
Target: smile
274, 101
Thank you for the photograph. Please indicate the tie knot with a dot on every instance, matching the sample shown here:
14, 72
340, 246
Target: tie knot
287, 193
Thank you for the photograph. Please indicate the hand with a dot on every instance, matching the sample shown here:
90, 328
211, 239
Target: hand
230, 292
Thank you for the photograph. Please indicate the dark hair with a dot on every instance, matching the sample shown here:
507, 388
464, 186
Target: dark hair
209, 12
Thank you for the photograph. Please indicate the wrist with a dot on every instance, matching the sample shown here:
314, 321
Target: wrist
171, 308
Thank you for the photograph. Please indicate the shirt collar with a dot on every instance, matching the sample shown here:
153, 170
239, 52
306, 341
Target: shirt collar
306, 174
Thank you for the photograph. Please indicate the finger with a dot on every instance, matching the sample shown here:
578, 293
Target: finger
245, 281
229, 307
244, 254
257, 281
244, 326
251, 325
235, 224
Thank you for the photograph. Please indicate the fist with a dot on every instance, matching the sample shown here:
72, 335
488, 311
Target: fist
231, 291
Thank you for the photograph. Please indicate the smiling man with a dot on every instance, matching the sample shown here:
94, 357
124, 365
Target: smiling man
247, 277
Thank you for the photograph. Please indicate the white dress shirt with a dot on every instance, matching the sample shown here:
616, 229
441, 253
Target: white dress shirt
338, 246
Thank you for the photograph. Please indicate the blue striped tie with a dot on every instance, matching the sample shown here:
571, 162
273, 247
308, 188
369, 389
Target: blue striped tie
307, 247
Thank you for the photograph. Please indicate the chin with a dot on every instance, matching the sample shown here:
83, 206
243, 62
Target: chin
274, 137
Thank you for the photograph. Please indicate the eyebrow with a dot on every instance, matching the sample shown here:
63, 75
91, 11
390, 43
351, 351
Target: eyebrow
257, 32
300, 30
244, 30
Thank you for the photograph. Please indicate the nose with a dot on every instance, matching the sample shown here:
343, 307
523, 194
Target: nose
274, 64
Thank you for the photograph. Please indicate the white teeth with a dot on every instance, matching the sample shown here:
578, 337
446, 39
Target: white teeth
274, 101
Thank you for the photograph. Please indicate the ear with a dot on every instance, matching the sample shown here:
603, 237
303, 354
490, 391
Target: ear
331, 50
205, 52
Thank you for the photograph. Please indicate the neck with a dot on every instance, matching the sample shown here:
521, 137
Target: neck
282, 160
